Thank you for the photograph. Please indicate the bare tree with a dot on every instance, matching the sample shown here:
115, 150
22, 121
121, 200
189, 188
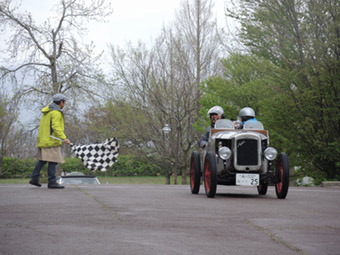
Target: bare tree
198, 52
163, 84
201, 39
144, 86
51, 57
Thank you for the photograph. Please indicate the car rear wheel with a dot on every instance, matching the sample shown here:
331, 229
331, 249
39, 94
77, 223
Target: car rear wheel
210, 175
195, 173
282, 176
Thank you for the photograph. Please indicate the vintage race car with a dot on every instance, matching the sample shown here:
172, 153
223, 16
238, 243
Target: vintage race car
239, 157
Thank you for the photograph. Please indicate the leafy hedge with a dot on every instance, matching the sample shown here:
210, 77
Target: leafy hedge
126, 165
13, 167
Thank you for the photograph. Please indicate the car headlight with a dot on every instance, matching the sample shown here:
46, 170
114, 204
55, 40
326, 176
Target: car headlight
270, 153
224, 153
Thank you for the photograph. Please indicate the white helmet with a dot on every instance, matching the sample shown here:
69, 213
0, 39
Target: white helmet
215, 110
247, 112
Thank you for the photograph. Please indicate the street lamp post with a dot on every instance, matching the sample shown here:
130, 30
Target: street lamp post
166, 130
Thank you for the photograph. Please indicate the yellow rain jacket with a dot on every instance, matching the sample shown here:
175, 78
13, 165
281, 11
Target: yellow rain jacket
51, 124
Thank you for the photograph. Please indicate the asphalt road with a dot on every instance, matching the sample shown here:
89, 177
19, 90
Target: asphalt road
160, 219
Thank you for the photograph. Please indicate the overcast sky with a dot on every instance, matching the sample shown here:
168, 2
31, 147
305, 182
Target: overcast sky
131, 19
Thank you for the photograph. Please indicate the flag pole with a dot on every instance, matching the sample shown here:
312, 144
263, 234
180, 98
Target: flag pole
56, 138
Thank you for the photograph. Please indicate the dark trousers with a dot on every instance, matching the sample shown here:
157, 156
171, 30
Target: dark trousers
50, 171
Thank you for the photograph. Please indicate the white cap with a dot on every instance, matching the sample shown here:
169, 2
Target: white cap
58, 97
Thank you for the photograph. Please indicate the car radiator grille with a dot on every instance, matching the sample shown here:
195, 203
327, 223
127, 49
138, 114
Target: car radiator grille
247, 153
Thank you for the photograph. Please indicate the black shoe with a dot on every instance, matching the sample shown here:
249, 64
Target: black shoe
35, 183
54, 186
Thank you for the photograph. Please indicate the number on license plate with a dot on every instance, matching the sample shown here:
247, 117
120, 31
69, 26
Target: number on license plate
247, 179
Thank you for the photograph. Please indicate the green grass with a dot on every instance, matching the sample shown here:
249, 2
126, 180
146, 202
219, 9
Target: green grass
107, 180
14, 181
132, 180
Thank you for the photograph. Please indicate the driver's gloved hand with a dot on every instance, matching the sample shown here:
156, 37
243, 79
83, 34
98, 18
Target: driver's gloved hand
238, 125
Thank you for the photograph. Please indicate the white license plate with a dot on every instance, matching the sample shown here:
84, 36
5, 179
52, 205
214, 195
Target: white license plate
247, 179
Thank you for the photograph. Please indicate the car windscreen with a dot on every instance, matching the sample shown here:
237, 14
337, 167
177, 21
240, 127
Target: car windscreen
224, 123
253, 125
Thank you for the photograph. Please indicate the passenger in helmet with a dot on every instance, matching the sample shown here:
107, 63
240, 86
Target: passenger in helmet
247, 114
215, 113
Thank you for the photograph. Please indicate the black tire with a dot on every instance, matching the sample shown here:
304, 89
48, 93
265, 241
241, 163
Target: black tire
210, 174
262, 188
195, 173
282, 176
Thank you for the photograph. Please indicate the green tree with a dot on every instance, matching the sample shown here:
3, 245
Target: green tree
242, 84
10, 134
302, 40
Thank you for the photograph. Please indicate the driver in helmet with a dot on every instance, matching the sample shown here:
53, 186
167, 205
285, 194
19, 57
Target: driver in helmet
215, 113
246, 114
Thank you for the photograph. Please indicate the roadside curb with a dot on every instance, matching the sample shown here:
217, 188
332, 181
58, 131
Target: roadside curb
331, 184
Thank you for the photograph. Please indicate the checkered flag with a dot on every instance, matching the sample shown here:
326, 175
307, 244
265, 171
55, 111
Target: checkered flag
97, 156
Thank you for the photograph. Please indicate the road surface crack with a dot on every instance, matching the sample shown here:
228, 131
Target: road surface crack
275, 238
107, 208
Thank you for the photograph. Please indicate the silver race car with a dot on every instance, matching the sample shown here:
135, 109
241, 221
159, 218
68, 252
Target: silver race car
239, 157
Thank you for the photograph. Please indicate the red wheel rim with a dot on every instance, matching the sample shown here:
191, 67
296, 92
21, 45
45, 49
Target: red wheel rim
207, 175
279, 185
192, 174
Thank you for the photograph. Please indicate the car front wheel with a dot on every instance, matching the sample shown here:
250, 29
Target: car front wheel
210, 174
195, 173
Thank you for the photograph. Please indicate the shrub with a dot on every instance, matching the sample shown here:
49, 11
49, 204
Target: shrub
73, 165
15, 168
126, 165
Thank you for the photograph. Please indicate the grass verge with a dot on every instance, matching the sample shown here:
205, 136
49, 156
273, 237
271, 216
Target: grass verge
106, 180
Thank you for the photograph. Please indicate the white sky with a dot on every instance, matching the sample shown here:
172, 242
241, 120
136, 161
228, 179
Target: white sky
132, 20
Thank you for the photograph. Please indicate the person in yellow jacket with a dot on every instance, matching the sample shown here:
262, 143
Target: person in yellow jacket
50, 138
